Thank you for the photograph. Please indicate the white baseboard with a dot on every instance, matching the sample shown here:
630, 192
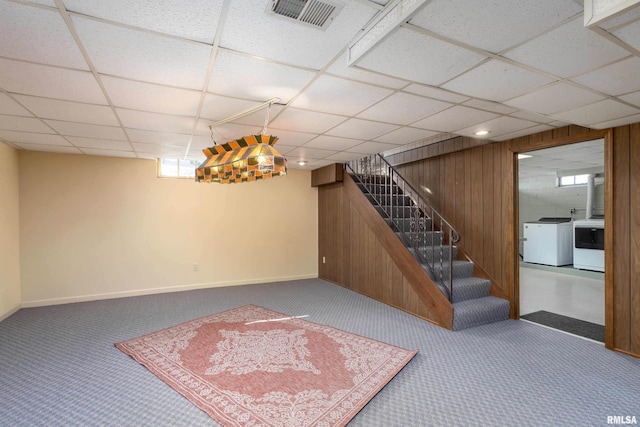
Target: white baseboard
10, 312
152, 291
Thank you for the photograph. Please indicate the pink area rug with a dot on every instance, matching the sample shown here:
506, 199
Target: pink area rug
255, 367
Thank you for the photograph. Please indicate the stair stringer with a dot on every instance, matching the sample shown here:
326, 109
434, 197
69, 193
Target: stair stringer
439, 307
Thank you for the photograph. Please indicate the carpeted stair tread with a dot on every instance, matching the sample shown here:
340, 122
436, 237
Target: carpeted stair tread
461, 269
478, 311
418, 240
435, 254
466, 288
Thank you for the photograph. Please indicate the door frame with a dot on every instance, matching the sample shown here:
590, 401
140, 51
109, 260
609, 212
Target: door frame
521, 148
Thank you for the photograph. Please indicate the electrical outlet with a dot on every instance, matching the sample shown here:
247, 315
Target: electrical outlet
196, 267
324, 261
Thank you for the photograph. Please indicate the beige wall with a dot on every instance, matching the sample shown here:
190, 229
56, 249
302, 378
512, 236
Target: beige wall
97, 227
9, 237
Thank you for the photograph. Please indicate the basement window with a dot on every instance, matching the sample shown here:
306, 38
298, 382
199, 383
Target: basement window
176, 168
572, 180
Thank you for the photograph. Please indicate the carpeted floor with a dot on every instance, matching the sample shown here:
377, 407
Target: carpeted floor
567, 324
59, 367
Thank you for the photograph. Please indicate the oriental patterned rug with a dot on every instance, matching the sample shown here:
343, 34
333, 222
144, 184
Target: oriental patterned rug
255, 367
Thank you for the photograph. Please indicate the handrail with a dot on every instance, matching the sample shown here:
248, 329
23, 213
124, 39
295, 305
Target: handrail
409, 212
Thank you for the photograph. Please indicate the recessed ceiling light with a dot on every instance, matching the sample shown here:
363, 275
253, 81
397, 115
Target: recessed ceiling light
482, 133
523, 156
302, 163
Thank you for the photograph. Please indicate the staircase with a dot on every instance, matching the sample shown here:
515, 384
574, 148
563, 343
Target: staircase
431, 240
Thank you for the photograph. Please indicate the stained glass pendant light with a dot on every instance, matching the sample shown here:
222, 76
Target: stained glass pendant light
250, 158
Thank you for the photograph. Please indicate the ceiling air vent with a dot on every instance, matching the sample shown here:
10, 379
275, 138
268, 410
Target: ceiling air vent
316, 13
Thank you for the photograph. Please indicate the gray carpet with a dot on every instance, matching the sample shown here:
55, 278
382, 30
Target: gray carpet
59, 367
568, 324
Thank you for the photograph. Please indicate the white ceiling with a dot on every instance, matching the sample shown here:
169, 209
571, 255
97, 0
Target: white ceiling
138, 78
579, 158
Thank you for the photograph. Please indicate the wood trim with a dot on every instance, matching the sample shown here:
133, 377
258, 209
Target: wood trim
439, 307
610, 226
329, 174
634, 216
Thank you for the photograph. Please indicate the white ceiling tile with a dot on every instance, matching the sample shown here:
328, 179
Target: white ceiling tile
617, 122
250, 29
490, 106
497, 81
285, 149
103, 144
193, 20
156, 137
108, 153
632, 98
156, 122
11, 107
33, 138
227, 131
344, 156
371, 147
403, 108
615, 79
326, 142
495, 25
199, 142
405, 135
498, 126
250, 78
339, 96
630, 34
159, 150
50, 3
568, 50
195, 154
454, 118
361, 129
151, 97
217, 107
555, 98
50, 148
532, 117
291, 138
143, 56
39, 35
312, 165
23, 124
436, 93
87, 130
598, 112
50, 82
527, 131
69, 111
411, 55
304, 153
341, 69
306, 121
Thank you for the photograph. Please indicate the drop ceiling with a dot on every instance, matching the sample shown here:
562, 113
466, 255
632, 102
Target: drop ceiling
142, 79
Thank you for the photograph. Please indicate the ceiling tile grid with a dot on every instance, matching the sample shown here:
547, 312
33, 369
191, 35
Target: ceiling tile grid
135, 78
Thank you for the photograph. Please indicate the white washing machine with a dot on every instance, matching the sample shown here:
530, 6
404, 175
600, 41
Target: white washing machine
548, 241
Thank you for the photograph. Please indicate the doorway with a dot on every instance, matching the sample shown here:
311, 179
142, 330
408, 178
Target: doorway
561, 194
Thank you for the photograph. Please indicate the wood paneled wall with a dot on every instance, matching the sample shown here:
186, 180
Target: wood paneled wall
358, 250
476, 190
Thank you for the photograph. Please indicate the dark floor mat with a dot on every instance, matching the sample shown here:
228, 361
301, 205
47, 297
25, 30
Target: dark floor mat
567, 324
